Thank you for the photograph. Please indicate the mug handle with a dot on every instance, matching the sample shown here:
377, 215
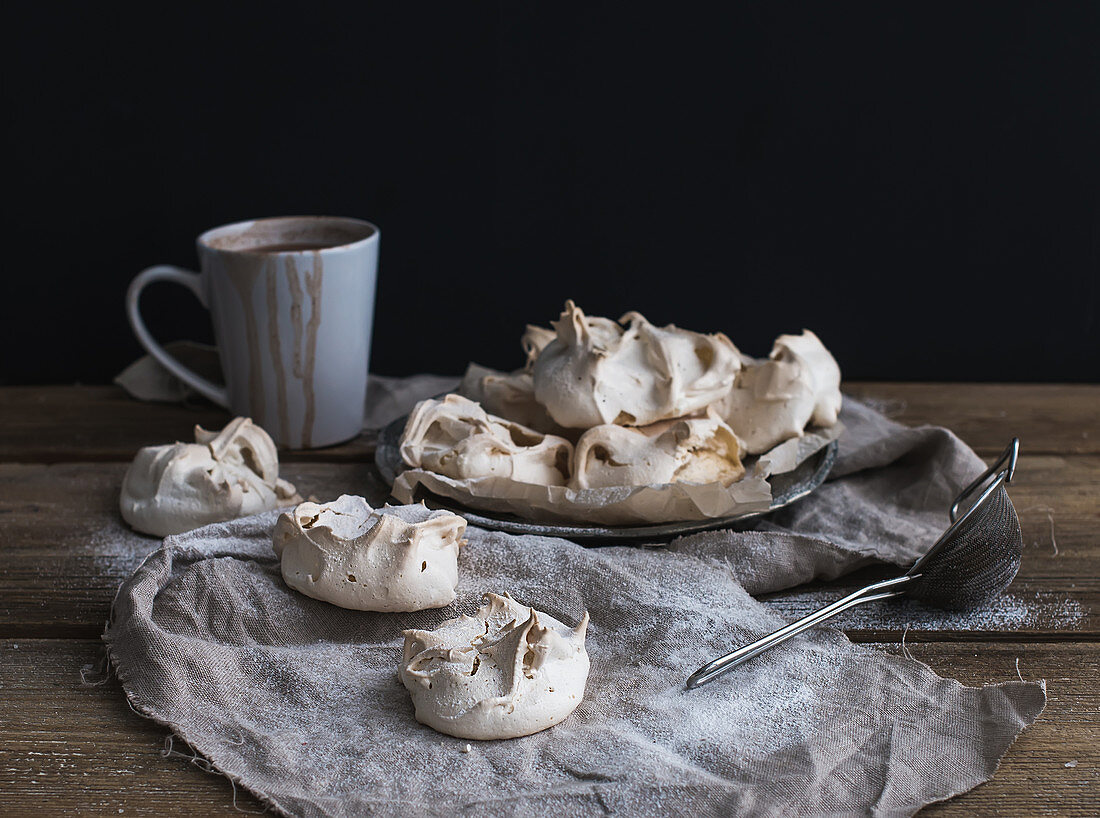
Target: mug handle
193, 282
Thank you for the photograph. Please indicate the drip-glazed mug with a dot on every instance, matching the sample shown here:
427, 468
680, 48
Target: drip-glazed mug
292, 303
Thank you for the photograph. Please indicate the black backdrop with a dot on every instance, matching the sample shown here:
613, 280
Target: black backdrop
918, 183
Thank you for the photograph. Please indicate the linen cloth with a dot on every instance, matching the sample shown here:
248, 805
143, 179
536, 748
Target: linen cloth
299, 700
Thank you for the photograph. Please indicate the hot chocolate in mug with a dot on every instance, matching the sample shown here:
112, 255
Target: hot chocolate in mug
292, 303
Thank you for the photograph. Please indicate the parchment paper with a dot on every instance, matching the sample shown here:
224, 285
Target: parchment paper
619, 505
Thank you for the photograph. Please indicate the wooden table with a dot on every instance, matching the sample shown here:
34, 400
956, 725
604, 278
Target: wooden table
68, 746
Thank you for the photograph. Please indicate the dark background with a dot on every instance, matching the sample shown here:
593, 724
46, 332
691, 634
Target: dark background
918, 184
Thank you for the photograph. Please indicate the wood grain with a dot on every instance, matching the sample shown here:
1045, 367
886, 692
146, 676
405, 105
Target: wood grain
71, 749
81, 749
65, 423
52, 424
68, 749
1048, 418
66, 549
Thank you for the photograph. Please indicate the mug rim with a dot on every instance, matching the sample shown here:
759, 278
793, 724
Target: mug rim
204, 239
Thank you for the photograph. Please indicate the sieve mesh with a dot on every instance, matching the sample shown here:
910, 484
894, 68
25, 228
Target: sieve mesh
969, 566
976, 561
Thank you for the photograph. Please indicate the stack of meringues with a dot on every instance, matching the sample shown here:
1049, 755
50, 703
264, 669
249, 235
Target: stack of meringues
604, 403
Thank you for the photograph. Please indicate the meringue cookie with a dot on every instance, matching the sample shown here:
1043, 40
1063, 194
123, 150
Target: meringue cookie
223, 475
456, 438
774, 400
689, 450
401, 558
596, 372
808, 351
506, 671
508, 395
534, 341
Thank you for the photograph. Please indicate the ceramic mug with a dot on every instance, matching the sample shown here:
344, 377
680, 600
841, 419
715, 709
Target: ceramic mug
292, 302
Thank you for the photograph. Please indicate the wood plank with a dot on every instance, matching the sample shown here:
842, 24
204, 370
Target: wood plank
71, 748
64, 423
1048, 418
66, 547
66, 550
52, 424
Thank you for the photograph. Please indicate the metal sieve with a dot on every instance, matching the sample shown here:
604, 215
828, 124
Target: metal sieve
971, 563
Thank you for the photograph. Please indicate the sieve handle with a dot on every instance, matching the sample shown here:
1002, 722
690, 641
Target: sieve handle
872, 593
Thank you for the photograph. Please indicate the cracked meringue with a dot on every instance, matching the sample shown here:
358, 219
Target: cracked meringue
506, 671
455, 437
595, 371
399, 558
774, 400
221, 476
508, 395
534, 341
688, 450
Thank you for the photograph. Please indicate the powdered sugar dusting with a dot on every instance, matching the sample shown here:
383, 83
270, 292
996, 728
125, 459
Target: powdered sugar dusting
116, 549
1039, 610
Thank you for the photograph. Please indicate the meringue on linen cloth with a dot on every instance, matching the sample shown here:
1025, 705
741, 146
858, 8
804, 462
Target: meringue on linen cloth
299, 701
507, 671
395, 558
